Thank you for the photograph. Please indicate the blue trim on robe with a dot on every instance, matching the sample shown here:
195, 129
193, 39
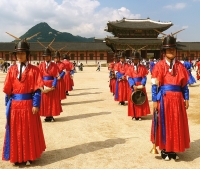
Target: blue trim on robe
62, 74
161, 92
131, 82
144, 80
188, 66
26, 96
47, 78
152, 64
119, 76
6, 99
37, 98
185, 92
155, 122
71, 72
154, 89
54, 82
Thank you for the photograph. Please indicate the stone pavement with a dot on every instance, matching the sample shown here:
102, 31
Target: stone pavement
94, 132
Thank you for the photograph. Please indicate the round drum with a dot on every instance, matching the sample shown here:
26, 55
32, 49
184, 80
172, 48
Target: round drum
138, 97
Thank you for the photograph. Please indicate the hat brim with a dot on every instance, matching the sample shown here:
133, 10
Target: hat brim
21, 50
169, 47
134, 58
46, 55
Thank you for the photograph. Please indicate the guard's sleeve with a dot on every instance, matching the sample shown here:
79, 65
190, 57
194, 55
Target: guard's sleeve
36, 98
185, 92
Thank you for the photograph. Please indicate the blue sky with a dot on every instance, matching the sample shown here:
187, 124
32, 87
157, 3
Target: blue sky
88, 18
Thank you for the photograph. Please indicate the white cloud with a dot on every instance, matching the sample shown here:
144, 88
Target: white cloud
79, 17
176, 6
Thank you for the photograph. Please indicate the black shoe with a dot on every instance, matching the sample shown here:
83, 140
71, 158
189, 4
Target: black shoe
67, 93
29, 162
165, 155
121, 103
52, 119
137, 118
47, 119
173, 155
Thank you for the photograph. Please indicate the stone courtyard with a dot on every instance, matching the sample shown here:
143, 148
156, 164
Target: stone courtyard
94, 132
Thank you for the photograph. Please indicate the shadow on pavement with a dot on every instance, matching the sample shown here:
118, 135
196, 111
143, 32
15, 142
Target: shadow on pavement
190, 154
80, 116
53, 156
82, 102
85, 93
86, 89
148, 117
194, 85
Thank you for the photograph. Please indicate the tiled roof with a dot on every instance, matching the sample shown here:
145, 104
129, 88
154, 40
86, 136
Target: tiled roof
70, 46
138, 24
188, 46
99, 46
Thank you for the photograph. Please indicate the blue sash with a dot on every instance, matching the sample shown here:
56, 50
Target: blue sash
48, 78
161, 92
119, 76
137, 79
26, 96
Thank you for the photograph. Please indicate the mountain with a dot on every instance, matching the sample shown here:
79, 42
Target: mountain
47, 34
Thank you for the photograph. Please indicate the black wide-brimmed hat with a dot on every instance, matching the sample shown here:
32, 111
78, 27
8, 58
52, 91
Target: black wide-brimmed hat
57, 54
65, 56
47, 52
136, 55
22, 46
169, 42
122, 55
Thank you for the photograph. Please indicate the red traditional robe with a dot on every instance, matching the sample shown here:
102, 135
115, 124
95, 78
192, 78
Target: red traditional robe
176, 121
61, 83
67, 78
198, 70
26, 135
72, 80
50, 102
122, 84
112, 80
137, 110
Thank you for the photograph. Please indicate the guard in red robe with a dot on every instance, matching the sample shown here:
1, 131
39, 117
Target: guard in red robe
68, 78
112, 76
50, 102
198, 69
137, 77
60, 80
24, 139
121, 82
170, 96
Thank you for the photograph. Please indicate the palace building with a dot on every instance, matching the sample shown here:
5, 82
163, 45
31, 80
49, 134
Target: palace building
136, 34
128, 35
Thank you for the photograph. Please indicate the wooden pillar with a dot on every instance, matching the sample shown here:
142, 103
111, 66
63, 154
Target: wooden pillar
77, 56
86, 56
96, 56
